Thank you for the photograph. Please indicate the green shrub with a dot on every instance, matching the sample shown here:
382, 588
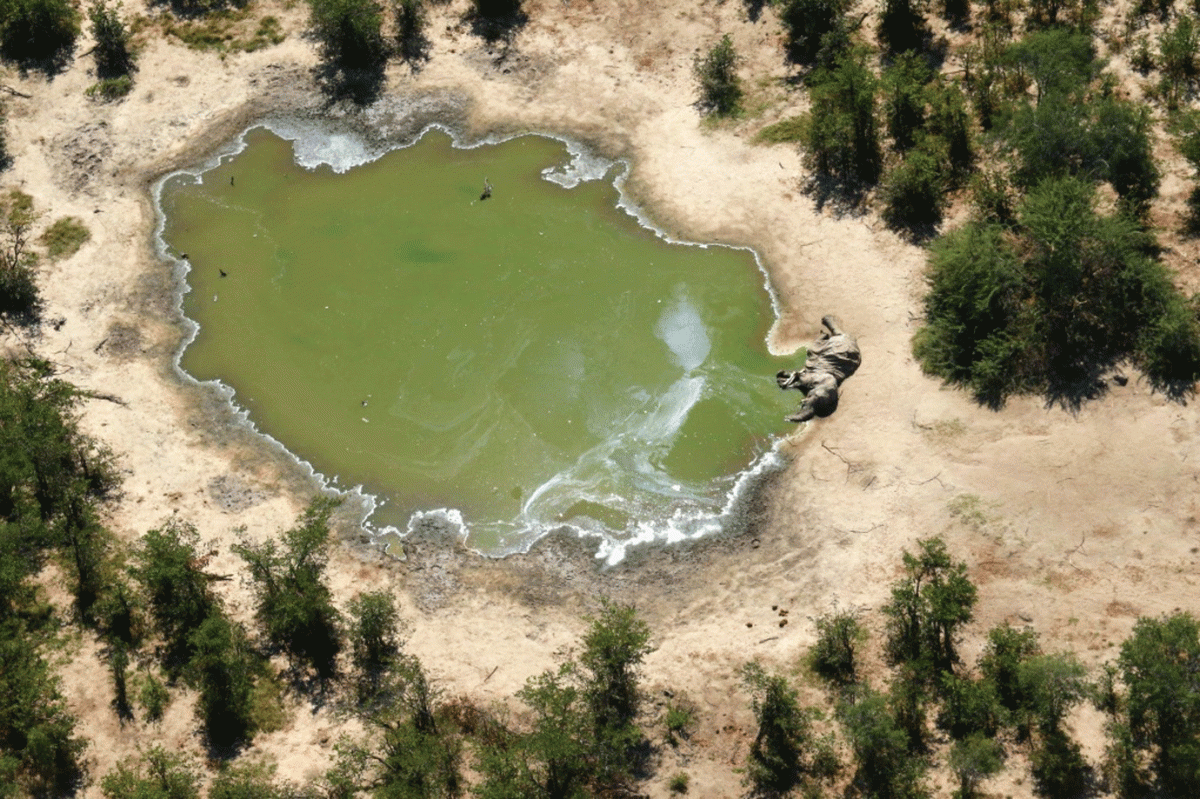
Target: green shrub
293, 603
350, 32
1059, 769
616, 642
167, 566
774, 763
64, 238
158, 775
832, 657
678, 720
913, 191
20, 299
927, 608
38, 32
843, 135
785, 131
904, 92
245, 781
969, 707
880, 746
113, 59
679, 782
1163, 702
1046, 305
973, 759
223, 667
154, 698
811, 26
716, 72
1007, 649
1053, 684
374, 634
111, 88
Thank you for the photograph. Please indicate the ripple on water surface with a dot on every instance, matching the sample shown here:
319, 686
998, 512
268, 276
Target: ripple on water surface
533, 360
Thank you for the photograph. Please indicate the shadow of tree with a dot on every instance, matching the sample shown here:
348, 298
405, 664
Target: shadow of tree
500, 24
361, 84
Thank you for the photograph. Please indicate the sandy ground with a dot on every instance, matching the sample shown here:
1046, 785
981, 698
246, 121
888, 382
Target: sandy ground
1074, 523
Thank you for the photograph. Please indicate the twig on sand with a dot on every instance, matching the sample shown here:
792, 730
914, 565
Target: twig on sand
489, 675
14, 92
100, 395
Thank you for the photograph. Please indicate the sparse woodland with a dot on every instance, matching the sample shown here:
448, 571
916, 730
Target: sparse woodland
1047, 279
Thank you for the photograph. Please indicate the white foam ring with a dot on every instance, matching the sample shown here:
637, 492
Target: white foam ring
341, 146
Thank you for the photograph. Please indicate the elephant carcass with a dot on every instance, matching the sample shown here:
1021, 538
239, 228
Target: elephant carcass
831, 359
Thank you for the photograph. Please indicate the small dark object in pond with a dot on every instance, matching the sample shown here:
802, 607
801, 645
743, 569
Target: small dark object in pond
487, 190
223, 272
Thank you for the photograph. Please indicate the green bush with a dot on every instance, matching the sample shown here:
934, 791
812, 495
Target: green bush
832, 657
64, 238
111, 88
973, 759
678, 721
1157, 665
20, 298
293, 603
37, 32
158, 775
904, 93
1007, 649
350, 32
1045, 306
969, 707
775, 760
113, 59
245, 781
811, 26
880, 746
154, 698
914, 191
374, 635
843, 135
929, 605
616, 642
223, 667
716, 72
679, 782
167, 566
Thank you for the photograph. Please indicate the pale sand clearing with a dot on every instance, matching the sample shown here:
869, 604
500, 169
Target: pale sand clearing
1081, 522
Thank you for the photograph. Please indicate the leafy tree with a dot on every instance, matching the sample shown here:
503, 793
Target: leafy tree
913, 191
112, 55
812, 25
158, 775
1177, 46
374, 635
904, 91
293, 602
417, 763
1061, 62
168, 567
1046, 306
774, 763
352, 46
223, 666
1007, 650
554, 760
950, 124
902, 25
833, 655
37, 734
969, 707
716, 72
928, 607
1059, 769
616, 642
843, 135
1158, 665
974, 759
245, 781
1053, 684
37, 32
20, 299
885, 767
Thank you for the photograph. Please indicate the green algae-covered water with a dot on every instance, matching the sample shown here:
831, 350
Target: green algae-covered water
535, 360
